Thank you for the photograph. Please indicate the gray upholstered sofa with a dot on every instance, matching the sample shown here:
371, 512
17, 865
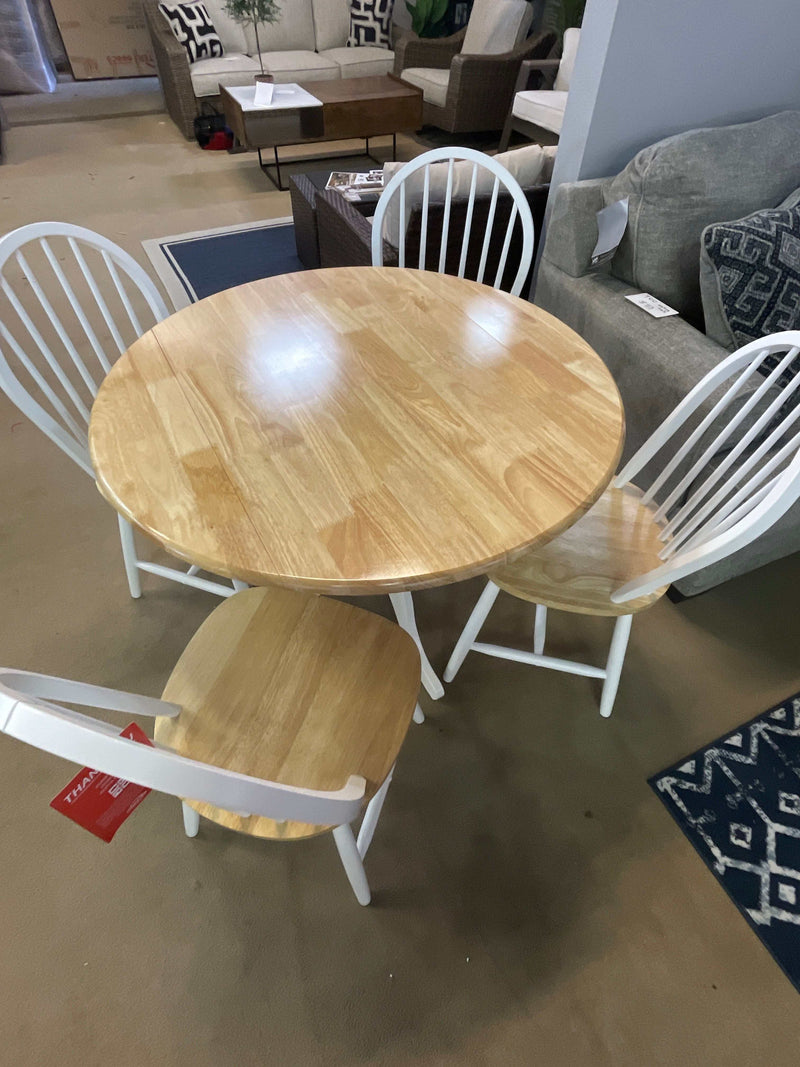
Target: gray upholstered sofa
675, 189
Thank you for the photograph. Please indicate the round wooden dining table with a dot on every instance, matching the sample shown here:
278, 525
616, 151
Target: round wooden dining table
358, 430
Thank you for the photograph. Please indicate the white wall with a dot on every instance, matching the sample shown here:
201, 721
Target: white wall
650, 68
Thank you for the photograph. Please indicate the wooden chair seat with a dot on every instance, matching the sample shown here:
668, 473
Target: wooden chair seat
615, 541
296, 689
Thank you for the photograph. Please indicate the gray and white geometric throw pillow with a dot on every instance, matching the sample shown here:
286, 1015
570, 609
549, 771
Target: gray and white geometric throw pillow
370, 23
750, 274
192, 26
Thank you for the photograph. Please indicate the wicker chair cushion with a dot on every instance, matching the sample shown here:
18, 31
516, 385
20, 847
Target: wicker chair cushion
231, 32
531, 165
569, 51
294, 30
300, 66
230, 69
543, 107
331, 23
496, 26
432, 81
362, 62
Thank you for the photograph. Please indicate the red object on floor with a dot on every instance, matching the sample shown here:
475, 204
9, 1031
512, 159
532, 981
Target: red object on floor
99, 802
221, 140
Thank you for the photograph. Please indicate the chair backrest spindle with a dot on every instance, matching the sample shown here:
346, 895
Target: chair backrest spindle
60, 388
736, 473
424, 194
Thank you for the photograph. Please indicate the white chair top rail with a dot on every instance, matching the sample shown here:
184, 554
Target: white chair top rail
30, 711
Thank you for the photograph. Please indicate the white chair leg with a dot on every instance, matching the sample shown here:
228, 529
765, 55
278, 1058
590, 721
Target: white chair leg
539, 629
351, 861
403, 605
419, 714
471, 630
239, 586
191, 820
371, 816
129, 557
616, 657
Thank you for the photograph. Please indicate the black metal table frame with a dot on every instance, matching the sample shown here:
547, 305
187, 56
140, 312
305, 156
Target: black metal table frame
276, 181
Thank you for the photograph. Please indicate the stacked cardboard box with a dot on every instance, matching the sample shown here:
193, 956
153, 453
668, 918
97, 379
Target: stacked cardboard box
105, 38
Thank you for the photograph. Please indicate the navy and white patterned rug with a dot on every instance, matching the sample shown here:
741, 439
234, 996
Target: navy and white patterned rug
194, 265
738, 802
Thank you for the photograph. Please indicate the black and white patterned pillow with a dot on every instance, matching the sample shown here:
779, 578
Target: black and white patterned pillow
192, 26
370, 23
750, 276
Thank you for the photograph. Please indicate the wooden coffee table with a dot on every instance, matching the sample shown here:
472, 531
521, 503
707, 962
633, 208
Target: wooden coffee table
346, 108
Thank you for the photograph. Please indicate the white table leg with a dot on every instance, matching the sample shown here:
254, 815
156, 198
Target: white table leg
404, 611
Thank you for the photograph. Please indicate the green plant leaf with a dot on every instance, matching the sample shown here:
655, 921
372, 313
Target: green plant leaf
254, 10
439, 10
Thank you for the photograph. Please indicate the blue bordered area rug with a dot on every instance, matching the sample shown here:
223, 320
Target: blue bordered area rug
194, 265
738, 802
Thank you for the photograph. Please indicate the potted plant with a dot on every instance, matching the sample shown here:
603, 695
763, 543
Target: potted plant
559, 15
428, 17
254, 11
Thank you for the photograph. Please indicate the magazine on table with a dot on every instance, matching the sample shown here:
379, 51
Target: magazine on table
357, 187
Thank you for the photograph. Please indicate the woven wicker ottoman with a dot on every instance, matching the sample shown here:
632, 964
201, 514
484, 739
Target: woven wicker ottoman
303, 189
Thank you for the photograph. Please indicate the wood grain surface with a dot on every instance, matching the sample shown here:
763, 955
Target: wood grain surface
349, 107
615, 541
296, 689
356, 430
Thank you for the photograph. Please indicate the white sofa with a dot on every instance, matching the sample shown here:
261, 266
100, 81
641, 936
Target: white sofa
307, 43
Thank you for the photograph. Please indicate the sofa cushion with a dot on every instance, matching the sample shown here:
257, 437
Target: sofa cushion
231, 32
679, 186
531, 165
569, 51
294, 30
496, 26
370, 23
363, 62
331, 23
432, 81
300, 66
192, 26
230, 69
750, 274
544, 107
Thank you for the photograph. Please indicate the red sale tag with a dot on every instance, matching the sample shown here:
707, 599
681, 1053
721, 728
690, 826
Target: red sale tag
99, 802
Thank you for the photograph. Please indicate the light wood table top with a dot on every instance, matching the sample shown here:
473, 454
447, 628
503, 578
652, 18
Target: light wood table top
356, 430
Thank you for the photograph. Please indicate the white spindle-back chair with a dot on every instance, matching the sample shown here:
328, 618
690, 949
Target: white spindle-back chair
520, 214
91, 301
731, 469
228, 712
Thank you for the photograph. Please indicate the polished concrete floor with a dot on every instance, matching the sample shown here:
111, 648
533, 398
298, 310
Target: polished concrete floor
533, 902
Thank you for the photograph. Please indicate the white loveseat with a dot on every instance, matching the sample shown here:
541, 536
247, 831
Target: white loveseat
307, 43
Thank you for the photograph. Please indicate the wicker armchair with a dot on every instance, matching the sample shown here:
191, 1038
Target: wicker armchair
173, 70
481, 87
345, 235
